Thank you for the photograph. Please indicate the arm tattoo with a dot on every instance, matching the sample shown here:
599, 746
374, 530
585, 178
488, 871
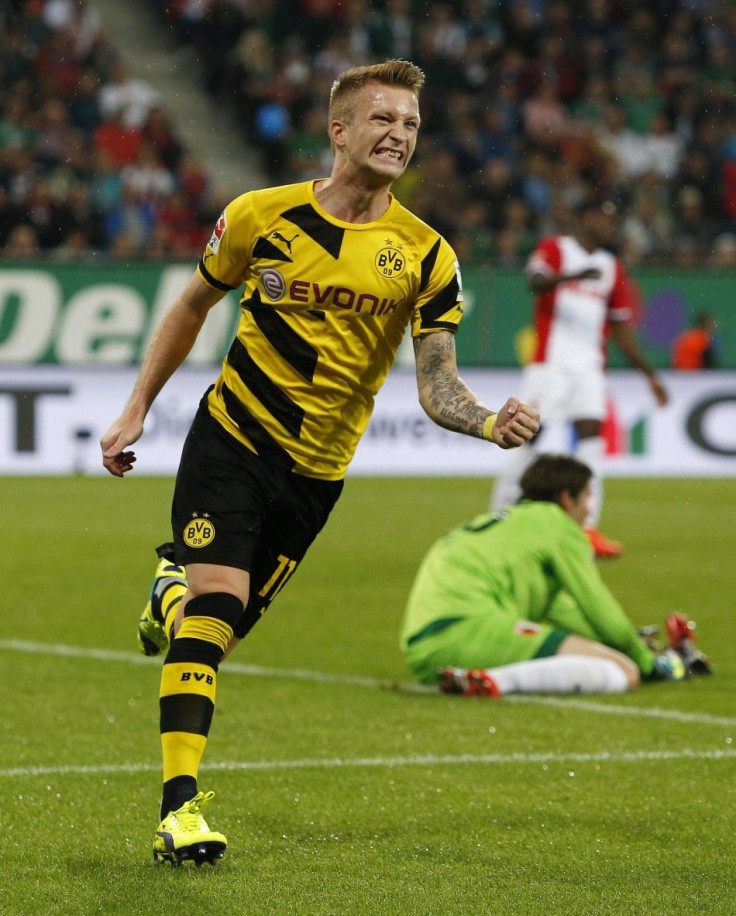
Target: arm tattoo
445, 397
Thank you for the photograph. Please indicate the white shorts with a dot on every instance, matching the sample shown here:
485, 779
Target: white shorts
565, 395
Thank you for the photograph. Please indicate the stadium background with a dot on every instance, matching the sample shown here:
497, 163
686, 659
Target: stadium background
124, 128
125, 125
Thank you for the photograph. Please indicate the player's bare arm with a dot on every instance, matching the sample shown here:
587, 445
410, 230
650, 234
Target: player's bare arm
169, 346
541, 283
626, 342
448, 401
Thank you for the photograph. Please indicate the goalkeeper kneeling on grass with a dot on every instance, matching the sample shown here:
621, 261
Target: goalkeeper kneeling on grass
514, 603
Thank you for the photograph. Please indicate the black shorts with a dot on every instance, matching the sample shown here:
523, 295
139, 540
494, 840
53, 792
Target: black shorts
233, 508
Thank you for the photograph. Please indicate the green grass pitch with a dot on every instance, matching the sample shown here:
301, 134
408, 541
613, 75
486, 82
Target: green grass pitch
340, 791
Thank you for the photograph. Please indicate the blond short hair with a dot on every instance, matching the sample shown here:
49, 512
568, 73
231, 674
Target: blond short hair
389, 73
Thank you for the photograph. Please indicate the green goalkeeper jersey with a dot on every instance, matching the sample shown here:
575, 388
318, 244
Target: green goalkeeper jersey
518, 563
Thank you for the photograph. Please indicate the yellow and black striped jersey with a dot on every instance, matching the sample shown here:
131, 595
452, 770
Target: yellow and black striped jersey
324, 308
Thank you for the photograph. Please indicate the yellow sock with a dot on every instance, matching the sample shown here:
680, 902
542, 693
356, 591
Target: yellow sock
187, 693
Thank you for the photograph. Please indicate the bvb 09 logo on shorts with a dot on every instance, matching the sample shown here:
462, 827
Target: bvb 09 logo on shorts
200, 532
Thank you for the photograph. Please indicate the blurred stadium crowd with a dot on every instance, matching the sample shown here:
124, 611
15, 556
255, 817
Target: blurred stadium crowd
530, 106
89, 161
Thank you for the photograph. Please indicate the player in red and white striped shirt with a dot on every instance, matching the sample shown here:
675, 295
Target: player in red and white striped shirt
583, 297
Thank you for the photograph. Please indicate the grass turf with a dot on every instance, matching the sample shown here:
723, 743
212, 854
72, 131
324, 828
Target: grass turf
335, 797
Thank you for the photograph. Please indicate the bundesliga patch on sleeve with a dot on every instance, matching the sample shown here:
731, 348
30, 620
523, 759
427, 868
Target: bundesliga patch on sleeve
219, 231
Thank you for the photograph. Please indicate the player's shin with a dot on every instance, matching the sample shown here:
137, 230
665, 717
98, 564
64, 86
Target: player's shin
188, 687
506, 490
590, 451
561, 674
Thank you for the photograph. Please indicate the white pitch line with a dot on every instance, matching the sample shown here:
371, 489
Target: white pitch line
349, 680
653, 712
422, 760
134, 658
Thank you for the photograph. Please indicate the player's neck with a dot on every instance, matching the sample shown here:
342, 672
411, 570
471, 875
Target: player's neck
587, 243
352, 201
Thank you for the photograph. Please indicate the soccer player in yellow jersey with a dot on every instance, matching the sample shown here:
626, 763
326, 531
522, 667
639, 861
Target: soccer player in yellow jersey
332, 272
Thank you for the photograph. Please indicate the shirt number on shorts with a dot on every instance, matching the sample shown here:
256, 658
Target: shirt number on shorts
284, 568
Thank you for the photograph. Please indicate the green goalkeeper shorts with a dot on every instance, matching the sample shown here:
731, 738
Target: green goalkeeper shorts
479, 642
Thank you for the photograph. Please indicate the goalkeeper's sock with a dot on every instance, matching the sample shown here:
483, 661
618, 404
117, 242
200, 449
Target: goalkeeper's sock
561, 674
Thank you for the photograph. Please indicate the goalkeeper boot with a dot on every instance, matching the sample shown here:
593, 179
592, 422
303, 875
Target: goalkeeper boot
152, 635
603, 547
679, 628
470, 682
682, 637
185, 835
649, 635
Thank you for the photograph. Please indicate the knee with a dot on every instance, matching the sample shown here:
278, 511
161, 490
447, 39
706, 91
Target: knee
221, 606
212, 618
630, 669
580, 645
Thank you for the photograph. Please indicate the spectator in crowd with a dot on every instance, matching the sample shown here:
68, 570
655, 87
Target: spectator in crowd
75, 246
545, 119
130, 98
693, 229
133, 216
147, 176
624, 146
695, 348
662, 147
105, 184
84, 106
159, 133
85, 217
49, 217
646, 231
392, 32
54, 128
9, 216
179, 225
724, 252
71, 120
22, 242
78, 18
615, 91
120, 140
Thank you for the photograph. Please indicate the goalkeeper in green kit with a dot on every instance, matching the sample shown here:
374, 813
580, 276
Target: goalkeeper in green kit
513, 603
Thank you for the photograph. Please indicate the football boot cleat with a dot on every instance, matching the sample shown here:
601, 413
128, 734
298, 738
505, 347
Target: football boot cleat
184, 835
682, 637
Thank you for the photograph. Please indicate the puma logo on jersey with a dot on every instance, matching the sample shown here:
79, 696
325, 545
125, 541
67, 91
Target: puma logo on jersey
280, 238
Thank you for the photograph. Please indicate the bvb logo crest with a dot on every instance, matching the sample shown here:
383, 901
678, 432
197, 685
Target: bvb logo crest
390, 261
200, 532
